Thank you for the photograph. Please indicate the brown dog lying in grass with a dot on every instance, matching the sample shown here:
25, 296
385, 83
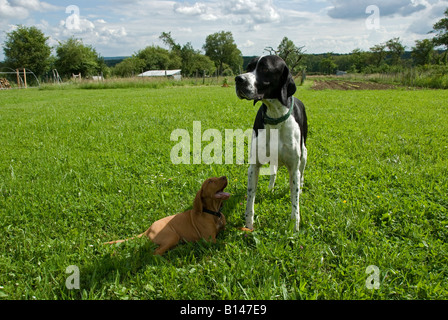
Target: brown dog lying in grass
204, 221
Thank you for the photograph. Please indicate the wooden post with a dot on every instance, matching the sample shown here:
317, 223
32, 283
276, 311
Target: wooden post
24, 76
18, 78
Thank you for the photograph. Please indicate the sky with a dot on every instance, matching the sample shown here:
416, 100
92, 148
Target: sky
121, 28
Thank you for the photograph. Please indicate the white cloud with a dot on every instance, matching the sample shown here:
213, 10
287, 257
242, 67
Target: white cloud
74, 25
231, 12
8, 11
99, 33
33, 5
355, 9
209, 17
195, 9
183, 29
251, 11
247, 44
21, 9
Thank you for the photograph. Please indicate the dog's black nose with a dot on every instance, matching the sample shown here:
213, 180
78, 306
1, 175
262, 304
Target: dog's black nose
239, 79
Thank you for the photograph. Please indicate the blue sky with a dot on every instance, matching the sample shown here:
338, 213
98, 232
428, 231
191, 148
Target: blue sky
120, 28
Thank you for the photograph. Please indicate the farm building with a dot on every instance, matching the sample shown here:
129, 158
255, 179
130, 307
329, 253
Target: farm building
176, 74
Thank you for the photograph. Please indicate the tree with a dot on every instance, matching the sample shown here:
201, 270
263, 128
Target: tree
157, 58
290, 53
193, 61
129, 67
327, 65
73, 57
27, 48
379, 53
441, 39
358, 59
203, 64
423, 51
222, 50
188, 56
169, 41
396, 50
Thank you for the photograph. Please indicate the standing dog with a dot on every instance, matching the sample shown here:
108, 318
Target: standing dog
268, 80
204, 221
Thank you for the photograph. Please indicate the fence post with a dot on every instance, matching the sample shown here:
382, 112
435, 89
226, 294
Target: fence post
24, 76
18, 78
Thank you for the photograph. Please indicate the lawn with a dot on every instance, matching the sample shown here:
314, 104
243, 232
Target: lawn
80, 167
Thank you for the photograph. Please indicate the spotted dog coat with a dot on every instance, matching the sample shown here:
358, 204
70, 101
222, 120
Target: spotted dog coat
269, 80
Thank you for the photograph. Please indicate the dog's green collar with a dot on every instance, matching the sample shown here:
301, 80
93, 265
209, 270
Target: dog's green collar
274, 121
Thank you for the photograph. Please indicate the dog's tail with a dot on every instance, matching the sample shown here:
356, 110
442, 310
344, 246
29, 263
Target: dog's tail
120, 241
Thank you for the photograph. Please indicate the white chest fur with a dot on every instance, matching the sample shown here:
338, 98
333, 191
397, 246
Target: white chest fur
288, 135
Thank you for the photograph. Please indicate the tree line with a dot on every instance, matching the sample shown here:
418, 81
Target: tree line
26, 47
390, 56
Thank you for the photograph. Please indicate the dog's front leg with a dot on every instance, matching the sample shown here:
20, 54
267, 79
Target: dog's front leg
252, 181
294, 184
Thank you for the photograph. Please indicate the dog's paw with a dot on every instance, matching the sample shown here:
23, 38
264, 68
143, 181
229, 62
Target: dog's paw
246, 229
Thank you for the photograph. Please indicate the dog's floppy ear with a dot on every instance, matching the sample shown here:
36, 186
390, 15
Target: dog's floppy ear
288, 86
197, 203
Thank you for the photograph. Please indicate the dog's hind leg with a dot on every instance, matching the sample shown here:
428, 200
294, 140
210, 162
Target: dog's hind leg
165, 240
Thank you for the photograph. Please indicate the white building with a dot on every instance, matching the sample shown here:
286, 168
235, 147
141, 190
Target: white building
176, 74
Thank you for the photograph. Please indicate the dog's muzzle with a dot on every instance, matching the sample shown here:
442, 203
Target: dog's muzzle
245, 86
241, 87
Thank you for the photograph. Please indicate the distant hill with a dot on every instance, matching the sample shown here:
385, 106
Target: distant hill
112, 61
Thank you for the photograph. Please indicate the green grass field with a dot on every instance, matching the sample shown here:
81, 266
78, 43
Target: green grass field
81, 167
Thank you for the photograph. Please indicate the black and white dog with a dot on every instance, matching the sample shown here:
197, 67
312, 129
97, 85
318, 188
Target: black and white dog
268, 79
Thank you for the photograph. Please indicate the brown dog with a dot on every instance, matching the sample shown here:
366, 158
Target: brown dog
204, 221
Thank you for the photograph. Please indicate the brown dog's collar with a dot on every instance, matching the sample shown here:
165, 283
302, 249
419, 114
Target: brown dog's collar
214, 213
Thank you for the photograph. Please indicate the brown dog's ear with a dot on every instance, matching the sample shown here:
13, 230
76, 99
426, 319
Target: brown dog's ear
197, 203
